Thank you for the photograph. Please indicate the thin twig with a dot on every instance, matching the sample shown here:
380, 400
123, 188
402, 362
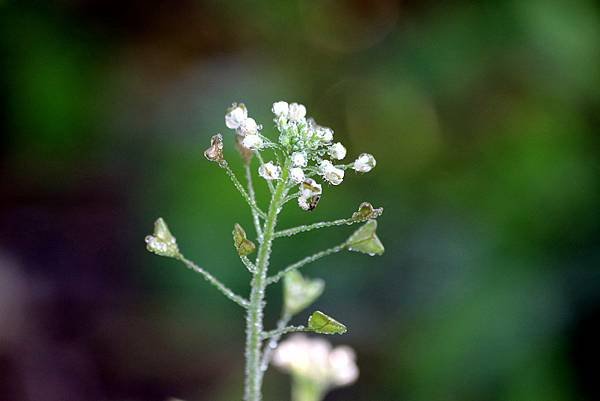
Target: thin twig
211, 279
285, 330
251, 194
275, 278
322, 224
273, 342
240, 188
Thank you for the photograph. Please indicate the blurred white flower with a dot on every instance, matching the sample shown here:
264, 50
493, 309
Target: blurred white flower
236, 115
248, 127
296, 112
337, 151
253, 142
296, 175
299, 159
280, 109
331, 173
364, 163
313, 359
269, 171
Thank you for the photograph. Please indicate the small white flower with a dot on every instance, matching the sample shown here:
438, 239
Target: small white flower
297, 175
325, 134
364, 163
280, 109
331, 173
253, 142
342, 361
310, 188
236, 115
296, 112
299, 159
314, 359
248, 127
269, 171
337, 151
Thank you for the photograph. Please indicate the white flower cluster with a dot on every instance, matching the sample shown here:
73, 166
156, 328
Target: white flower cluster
302, 141
314, 359
246, 127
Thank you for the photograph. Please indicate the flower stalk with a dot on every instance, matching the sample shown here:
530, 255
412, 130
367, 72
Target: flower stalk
294, 159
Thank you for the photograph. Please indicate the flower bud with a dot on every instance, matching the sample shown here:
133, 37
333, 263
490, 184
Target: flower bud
252, 142
296, 175
331, 173
280, 109
236, 115
162, 242
296, 112
364, 163
299, 159
337, 151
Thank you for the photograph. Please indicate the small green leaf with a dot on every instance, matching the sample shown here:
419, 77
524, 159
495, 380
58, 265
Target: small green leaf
323, 324
162, 242
243, 245
366, 212
365, 240
299, 292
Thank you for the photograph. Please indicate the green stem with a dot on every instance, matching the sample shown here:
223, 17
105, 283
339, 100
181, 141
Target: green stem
254, 317
306, 390
279, 275
273, 342
284, 330
211, 279
322, 224
251, 194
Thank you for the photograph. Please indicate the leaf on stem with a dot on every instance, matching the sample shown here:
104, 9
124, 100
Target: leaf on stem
299, 292
323, 324
366, 212
162, 242
242, 244
365, 240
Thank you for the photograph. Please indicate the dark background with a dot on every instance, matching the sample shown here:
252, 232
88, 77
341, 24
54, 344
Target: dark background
483, 117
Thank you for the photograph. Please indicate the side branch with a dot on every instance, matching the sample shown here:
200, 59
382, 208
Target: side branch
273, 342
322, 224
251, 202
275, 278
211, 279
285, 330
251, 194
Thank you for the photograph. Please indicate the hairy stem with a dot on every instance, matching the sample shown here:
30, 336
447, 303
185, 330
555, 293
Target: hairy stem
211, 279
284, 330
279, 275
251, 202
254, 318
274, 341
322, 224
251, 194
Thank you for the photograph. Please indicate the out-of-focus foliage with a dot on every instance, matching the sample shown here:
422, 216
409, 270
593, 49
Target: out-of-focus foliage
483, 117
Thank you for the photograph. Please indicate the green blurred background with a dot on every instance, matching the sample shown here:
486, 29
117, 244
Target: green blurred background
483, 117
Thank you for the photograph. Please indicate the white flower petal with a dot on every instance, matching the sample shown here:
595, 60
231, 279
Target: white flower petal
337, 151
280, 109
269, 171
236, 115
299, 159
296, 112
296, 175
253, 142
364, 163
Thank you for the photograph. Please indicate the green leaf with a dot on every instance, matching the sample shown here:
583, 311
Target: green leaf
162, 242
243, 245
365, 240
366, 212
299, 292
323, 324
